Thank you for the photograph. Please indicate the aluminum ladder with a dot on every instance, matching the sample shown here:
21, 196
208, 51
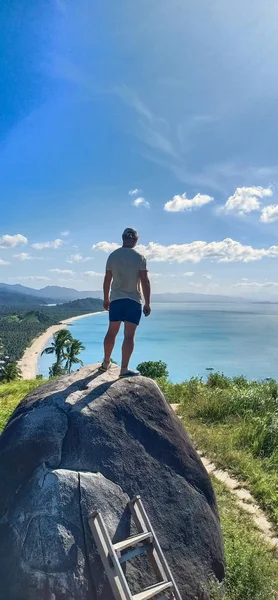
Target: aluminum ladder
145, 541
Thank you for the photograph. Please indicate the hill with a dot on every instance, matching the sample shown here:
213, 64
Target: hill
63, 294
12, 298
51, 293
18, 327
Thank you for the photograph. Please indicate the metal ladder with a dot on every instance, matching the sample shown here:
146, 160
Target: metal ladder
114, 555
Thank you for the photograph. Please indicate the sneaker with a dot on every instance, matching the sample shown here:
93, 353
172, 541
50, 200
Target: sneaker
128, 373
105, 366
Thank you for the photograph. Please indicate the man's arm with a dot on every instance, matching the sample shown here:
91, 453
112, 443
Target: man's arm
146, 287
106, 289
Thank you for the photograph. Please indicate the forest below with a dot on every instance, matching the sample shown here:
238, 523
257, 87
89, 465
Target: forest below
18, 327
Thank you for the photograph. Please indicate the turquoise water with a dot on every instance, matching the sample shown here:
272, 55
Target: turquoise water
191, 337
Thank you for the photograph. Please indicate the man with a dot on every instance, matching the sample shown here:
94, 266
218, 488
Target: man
127, 270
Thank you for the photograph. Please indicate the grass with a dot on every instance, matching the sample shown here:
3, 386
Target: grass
235, 422
252, 568
10, 396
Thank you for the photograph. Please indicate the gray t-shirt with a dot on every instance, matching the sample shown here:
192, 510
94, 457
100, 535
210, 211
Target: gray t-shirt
125, 264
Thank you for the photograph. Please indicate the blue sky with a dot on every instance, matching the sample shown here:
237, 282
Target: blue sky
174, 99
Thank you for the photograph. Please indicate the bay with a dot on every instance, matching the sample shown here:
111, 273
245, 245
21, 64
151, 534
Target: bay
191, 338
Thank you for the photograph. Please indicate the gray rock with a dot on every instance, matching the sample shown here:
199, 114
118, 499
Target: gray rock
87, 441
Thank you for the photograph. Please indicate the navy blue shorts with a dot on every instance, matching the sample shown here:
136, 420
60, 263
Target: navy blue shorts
125, 310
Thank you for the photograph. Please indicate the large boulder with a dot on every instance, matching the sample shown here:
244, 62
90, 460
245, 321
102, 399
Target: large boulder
88, 441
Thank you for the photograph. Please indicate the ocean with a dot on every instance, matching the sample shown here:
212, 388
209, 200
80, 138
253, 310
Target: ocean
236, 339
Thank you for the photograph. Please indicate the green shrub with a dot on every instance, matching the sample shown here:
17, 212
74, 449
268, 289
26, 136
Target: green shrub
153, 369
218, 380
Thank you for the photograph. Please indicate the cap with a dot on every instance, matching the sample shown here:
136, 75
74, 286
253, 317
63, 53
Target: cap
129, 232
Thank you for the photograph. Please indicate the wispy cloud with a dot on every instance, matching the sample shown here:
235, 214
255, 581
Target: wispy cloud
180, 203
54, 244
23, 256
76, 258
134, 192
65, 233
93, 274
255, 284
150, 129
141, 202
4, 262
33, 278
62, 271
10, 241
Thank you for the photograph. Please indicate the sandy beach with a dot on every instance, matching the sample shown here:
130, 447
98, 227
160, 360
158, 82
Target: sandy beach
29, 362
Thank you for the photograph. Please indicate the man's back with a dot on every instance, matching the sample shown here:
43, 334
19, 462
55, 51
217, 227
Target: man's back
125, 265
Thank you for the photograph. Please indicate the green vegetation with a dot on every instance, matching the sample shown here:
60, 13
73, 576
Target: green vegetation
252, 568
153, 369
10, 372
18, 327
71, 354
10, 396
66, 348
235, 422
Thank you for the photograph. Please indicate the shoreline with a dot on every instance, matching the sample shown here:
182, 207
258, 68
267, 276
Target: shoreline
28, 364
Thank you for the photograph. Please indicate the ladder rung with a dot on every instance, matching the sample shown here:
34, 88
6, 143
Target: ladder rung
132, 541
152, 591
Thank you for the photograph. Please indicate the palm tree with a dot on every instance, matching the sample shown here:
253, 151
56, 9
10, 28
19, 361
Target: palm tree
62, 339
73, 349
10, 372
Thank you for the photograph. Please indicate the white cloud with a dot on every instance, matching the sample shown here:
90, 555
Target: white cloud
207, 276
75, 258
10, 241
246, 199
106, 247
134, 192
269, 214
33, 278
65, 233
23, 256
62, 271
141, 202
255, 284
188, 274
55, 244
195, 285
79, 258
4, 262
93, 274
179, 203
227, 250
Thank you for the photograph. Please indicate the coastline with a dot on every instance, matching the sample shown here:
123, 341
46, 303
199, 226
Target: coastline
28, 364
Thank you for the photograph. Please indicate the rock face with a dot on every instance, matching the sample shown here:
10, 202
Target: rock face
89, 441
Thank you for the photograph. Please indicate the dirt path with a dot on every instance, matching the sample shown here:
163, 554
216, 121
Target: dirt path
244, 499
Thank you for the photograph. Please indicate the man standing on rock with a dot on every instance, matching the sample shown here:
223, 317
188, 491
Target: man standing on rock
127, 270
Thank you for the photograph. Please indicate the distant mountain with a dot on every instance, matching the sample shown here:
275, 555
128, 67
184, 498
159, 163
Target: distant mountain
51, 293
55, 294
8, 299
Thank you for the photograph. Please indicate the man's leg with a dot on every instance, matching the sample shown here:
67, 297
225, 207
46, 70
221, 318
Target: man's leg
109, 340
128, 345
